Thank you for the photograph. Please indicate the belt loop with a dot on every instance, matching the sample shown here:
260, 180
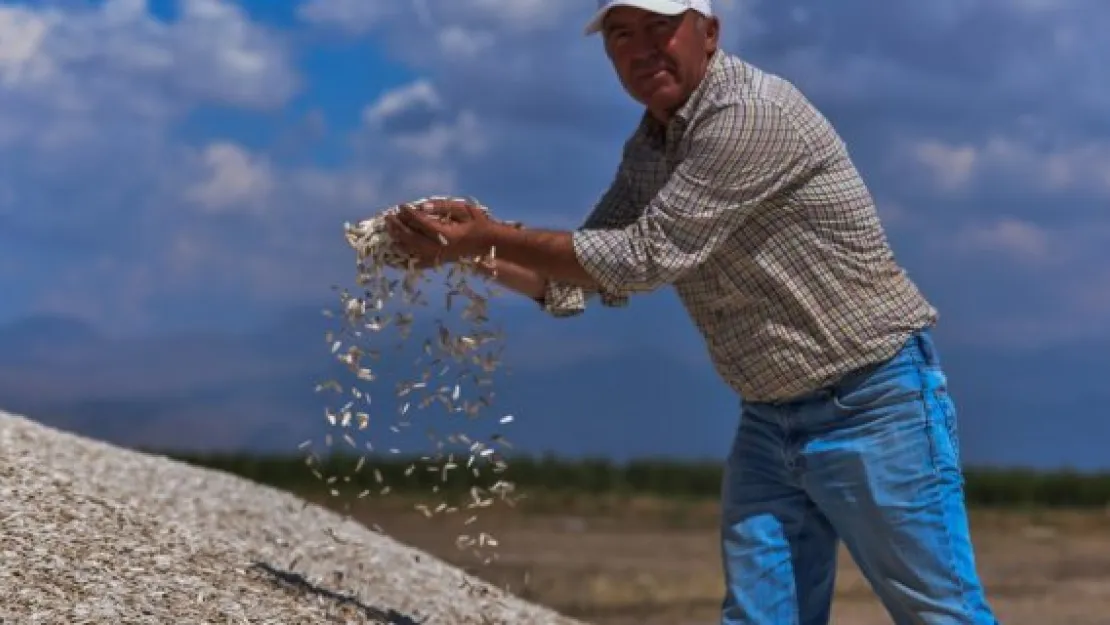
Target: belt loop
924, 339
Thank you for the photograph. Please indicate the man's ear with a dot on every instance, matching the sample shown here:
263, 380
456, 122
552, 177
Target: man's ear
712, 34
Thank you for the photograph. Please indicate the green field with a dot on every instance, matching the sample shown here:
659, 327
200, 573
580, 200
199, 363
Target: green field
637, 543
986, 487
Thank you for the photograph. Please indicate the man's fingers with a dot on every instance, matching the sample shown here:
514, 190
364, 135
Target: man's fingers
455, 209
405, 236
399, 230
420, 224
474, 212
439, 207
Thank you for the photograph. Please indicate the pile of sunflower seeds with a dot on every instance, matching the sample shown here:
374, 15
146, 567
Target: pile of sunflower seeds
453, 373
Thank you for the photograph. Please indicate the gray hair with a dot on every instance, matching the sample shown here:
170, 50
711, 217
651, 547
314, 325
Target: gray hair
701, 22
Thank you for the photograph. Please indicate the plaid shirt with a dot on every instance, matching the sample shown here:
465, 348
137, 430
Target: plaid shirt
748, 203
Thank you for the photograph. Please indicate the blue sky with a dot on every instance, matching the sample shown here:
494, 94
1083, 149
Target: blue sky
189, 165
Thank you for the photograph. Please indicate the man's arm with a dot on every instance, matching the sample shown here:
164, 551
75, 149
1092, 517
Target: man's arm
549, 252
615, 209
556, 299
512, 276
738, 157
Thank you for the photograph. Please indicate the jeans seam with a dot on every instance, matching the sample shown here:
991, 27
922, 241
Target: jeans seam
934, 452
948, 412
930, 435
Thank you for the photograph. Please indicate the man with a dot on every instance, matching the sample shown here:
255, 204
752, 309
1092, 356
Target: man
738, 192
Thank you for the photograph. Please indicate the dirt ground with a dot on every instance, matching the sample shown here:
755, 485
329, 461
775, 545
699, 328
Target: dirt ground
654, 563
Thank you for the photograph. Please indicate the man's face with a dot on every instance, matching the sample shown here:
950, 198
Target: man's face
660, 59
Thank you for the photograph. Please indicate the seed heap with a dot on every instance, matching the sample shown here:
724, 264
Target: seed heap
453, 372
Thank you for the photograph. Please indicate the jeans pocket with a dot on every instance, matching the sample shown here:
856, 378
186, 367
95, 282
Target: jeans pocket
944, 409
884, 387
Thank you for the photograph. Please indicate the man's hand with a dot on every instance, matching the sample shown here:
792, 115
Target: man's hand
440, 231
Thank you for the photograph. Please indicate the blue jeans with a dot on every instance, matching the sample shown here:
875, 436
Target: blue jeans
872, 460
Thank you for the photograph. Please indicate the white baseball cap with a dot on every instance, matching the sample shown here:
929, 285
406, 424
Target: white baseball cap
662, 7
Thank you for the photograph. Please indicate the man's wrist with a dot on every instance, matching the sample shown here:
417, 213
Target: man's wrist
494, 235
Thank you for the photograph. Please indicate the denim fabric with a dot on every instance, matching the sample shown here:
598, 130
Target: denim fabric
873, 461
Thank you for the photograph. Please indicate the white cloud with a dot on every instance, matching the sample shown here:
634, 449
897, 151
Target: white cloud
460, 42
358, 17
211, 53
352, 17
421, 93
351, 187
1022, 282
441, 135
518, 15
1012, 240
226, 58
22, 33
1074, 167
91, 100
951, 165
462, 135
91, 96
233, 180
468, 23
1083, 166
115, 75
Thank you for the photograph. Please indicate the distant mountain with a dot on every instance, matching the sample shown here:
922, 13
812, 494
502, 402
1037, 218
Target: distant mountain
257, 391
603, 385
36, 337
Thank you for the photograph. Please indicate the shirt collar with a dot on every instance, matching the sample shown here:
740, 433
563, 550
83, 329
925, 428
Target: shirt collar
657, 131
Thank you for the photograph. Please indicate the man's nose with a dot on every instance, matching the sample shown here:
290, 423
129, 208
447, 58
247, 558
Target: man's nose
643, 43
643, 51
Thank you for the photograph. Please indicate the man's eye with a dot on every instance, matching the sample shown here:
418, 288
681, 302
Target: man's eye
666, 23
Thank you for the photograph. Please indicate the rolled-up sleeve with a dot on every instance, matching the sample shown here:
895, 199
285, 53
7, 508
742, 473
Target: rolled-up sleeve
614, 210
563, 300
738, 156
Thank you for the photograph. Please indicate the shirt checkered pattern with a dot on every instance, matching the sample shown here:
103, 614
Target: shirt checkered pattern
748, 203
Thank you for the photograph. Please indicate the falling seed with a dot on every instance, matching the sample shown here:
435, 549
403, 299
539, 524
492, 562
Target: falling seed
451, 360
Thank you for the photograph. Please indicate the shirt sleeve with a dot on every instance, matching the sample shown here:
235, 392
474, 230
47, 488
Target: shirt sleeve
615, 210
740, 155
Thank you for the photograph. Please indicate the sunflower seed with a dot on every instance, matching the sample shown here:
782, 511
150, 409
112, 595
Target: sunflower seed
452, 359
